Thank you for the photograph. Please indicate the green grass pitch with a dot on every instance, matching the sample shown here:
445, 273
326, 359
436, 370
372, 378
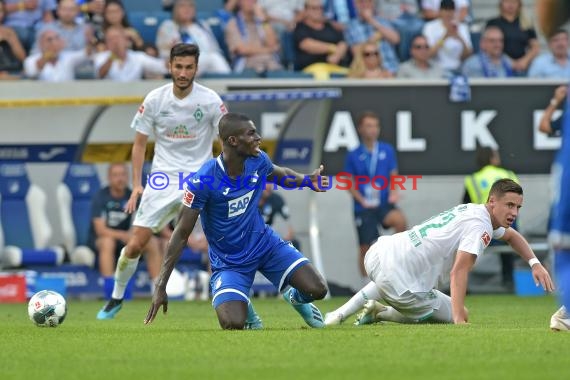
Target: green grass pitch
508, 338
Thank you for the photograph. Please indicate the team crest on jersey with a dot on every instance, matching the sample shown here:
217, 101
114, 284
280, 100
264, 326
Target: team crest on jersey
239, 205
485, 238
198, 114
188, 198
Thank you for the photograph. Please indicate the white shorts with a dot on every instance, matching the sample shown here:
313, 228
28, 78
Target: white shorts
416, 306
158, 207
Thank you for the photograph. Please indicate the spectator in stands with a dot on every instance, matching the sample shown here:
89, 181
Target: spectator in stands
283, 14
184, 27
449, 40
420, 66
152, 51
372, 207
340, 12
556, 62
52, 63
272, 204
121, 64
114, 16
477, 188
521, 44
12, 53
430, 10
367, 63
371, 28
27, 16
403, 14
318, 44
76, 35
490, 62
110, 227
251, 39
546, 124
92, 14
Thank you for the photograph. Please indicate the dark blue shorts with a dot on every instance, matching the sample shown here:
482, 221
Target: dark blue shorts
278, 265
367, 222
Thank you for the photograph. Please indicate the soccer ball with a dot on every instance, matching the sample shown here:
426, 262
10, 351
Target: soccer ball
47, 308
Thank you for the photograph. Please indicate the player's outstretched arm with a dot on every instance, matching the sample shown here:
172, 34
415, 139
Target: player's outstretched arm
138, 152
177, 242
289, 178
523, 249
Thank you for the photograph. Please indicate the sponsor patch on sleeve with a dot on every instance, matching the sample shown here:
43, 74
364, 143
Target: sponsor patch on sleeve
141, 109
223, 108
486, 239
188, 198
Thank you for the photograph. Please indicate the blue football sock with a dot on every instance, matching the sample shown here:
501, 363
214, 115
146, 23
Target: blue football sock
251, 314
300, 297
562, 265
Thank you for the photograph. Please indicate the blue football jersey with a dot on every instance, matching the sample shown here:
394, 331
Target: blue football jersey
235, 230
560, 213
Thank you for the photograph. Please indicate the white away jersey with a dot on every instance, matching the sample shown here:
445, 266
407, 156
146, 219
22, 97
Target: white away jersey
413, 260
184, 129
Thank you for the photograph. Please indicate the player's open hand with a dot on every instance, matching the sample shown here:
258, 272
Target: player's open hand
159, 298
134, 199
541, 277
320, 183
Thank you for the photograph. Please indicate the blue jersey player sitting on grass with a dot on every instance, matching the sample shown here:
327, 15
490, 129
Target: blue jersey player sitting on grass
225, 193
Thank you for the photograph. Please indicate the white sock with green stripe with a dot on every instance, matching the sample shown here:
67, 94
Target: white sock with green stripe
369, 292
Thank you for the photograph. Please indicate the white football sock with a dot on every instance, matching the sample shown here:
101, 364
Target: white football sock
125, 269
369, 292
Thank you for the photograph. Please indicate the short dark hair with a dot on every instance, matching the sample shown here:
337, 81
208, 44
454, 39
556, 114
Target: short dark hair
447, 4
483, 156
184, 50
557, 32
230, 123
364, 115
503, 186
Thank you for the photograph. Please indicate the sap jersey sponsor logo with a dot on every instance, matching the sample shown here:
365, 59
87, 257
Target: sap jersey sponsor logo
486, 239
188, 198
239, 205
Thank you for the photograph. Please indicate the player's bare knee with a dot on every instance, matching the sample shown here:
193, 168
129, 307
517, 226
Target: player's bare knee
231, 323
319, 290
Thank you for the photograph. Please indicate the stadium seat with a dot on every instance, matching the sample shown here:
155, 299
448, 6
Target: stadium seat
147, 23
74, 194
24, 227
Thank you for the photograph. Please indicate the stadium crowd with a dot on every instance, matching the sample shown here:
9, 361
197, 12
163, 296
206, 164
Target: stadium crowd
62, 40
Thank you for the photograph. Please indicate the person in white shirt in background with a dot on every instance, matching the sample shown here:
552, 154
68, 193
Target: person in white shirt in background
52, 63
405, 267
121, 64
449, 39
430, 9
184, 27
